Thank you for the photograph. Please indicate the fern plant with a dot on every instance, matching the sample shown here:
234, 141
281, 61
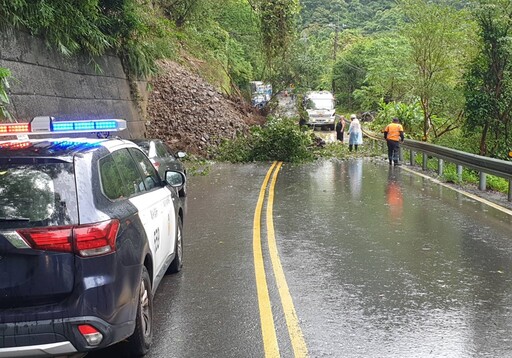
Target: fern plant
5, 74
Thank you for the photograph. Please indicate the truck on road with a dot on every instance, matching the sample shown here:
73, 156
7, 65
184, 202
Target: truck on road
261, 93
320, 109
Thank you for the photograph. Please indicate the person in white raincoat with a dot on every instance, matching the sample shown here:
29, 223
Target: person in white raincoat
355, 134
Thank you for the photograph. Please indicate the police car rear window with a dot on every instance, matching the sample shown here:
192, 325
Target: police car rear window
37, 195
125, 173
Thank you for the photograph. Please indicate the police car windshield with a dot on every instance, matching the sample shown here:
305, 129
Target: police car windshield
37, 195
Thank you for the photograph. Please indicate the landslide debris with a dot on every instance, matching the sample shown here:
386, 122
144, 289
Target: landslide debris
191, 115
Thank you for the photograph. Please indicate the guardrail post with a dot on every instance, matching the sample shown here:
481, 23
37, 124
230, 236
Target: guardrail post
483, 181
459, 172
425, 161
400, 154
440, 167
510, 190
413, 157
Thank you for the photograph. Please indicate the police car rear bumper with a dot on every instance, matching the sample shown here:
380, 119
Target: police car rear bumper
57, 338
42, 350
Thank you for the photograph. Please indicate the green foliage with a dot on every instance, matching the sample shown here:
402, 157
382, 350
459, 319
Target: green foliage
132, 28
244, 56
278, 19
368, 15
388, 72
386, 20
460, 140
497, 183
236, 150
69, 26
227, 39
323, 12
489, 81
196, 165
279, 139
141, 34
310, 57
284, 140
349, 74
180, 11
5, 74
410, 117
440, 37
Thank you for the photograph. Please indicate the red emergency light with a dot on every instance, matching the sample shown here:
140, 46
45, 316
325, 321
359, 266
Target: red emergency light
14, 128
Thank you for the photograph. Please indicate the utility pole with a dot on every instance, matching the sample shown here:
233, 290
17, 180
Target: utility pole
335, 49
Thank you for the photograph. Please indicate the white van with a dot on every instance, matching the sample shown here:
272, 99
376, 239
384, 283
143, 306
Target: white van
320, 107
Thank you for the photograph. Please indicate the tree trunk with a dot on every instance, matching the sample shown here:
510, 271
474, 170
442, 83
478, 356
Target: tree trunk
483, 139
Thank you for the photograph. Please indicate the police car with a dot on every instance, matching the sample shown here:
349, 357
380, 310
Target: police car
88, 229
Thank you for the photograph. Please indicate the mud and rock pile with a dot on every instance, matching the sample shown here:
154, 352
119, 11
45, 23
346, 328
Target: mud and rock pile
191, 115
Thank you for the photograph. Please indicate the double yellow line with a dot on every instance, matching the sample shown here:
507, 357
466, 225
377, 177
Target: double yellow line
268, 330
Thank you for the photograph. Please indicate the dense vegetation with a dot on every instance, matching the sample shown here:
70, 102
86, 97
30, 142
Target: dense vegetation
442, 66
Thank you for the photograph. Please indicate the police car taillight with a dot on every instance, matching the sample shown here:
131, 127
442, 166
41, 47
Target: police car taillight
84, 240
91, 334
97, 239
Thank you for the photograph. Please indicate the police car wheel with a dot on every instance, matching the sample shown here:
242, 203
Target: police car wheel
140, 341
177, 263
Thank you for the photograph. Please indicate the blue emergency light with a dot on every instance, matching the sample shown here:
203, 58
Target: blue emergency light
84, 126
48, 125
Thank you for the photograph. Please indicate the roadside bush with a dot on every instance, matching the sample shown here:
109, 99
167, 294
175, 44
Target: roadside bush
236, 150
278, 139
281, 139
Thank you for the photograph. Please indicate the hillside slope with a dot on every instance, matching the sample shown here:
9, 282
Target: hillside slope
191, 115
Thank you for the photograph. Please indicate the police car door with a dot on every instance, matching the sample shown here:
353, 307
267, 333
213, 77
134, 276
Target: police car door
156, 212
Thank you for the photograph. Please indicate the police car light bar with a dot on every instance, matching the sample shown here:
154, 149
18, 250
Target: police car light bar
48, 125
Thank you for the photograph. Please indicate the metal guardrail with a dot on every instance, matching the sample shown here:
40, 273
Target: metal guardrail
484, 165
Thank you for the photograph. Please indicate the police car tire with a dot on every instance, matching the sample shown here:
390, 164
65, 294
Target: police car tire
177, 263
140, 340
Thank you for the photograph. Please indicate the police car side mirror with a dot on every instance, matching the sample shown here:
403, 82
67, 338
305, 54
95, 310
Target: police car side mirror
174, 179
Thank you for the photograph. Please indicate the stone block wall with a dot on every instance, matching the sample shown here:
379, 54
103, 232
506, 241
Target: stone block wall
47, 83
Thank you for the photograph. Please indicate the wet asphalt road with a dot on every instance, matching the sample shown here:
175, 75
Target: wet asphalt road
379, 263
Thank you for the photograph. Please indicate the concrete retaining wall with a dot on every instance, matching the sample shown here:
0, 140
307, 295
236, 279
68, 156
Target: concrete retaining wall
47, 83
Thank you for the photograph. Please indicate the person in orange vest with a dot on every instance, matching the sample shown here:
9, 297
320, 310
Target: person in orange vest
394, 134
